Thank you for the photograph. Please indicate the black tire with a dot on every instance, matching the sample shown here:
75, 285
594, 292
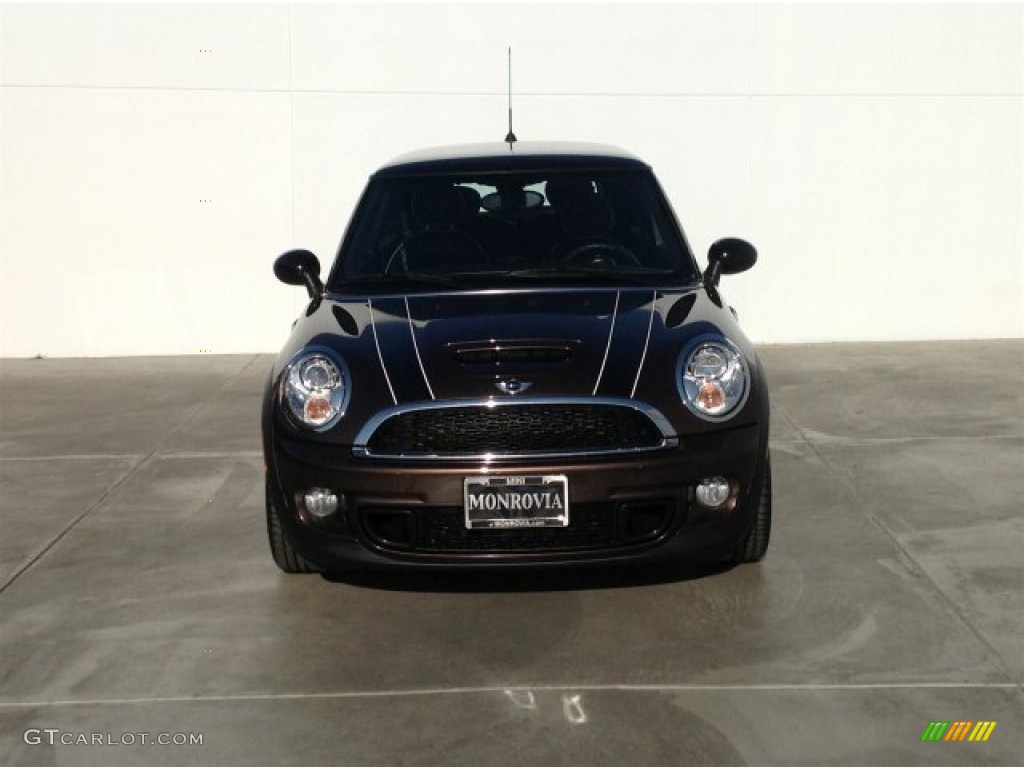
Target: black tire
287, 559
756, 544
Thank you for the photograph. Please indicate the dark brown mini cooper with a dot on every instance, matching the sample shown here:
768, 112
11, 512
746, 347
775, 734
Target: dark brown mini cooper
515, 361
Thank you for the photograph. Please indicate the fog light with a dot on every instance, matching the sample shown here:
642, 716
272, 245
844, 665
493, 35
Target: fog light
320, 502
713, 492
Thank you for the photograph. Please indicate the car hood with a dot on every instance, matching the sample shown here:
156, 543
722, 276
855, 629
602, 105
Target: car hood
540, 343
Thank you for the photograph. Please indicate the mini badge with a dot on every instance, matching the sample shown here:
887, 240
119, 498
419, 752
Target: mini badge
513, 386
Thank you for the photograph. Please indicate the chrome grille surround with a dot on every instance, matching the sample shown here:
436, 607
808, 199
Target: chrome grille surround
663, 436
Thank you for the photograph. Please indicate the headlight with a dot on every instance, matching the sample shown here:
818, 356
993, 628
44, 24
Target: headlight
316, 389
712, 379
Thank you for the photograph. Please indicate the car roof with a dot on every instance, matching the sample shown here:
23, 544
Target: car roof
497, 157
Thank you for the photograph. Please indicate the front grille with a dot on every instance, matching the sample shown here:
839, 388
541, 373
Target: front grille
594, 526
515, 429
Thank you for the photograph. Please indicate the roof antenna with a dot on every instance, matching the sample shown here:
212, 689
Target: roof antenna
511, 137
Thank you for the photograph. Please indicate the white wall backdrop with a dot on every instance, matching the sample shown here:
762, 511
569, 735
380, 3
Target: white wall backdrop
156, 158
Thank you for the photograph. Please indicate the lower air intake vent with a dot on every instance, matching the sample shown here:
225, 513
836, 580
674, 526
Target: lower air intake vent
595, 526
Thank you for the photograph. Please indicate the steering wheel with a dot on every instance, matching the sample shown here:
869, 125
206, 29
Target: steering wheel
599, 254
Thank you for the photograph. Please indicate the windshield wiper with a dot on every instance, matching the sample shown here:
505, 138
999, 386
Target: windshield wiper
393, 278
641, 275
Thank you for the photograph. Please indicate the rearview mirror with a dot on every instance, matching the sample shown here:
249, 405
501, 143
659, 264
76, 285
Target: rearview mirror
300, 268
727, 257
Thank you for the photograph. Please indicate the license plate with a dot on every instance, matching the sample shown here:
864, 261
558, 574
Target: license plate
523, 501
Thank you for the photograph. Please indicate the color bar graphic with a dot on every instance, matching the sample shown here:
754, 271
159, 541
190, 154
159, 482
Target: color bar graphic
958, 730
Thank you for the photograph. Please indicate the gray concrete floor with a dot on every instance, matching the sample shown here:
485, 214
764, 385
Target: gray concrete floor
137, 594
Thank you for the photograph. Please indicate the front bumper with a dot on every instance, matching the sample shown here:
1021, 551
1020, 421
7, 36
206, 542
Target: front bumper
622, 510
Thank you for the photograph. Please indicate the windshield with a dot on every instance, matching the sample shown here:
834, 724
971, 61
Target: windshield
497, 229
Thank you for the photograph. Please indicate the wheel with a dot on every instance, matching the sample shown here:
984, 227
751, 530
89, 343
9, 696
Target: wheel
287, 559
756, 544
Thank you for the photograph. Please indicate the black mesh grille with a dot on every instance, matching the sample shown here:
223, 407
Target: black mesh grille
593, 526
531, 428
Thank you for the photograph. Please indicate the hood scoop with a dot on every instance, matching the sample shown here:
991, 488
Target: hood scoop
512, 352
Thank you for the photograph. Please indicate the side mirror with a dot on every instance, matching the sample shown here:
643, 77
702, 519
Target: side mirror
300, 268
727, 257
